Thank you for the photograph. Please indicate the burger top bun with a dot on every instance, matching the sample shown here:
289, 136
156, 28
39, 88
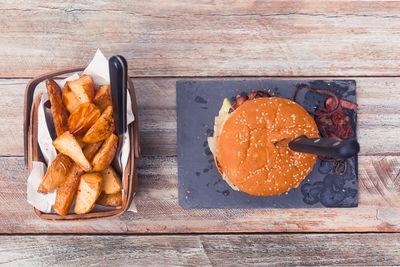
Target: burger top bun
247, 155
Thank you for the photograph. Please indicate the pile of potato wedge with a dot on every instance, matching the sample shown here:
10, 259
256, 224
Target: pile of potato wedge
86, 146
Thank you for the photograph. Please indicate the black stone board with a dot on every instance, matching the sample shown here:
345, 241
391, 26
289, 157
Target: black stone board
199, 183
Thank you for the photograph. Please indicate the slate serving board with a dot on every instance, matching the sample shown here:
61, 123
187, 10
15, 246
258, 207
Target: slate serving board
199, 183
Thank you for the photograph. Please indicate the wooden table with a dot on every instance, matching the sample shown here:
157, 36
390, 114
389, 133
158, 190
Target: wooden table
169, 41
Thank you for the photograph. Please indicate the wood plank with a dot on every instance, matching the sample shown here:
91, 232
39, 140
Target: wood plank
159, 212
192, 38
202, 250
378, 118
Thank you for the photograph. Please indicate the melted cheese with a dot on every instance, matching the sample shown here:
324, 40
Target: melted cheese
223, 115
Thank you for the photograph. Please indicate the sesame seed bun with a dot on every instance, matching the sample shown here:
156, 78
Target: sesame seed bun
247, 156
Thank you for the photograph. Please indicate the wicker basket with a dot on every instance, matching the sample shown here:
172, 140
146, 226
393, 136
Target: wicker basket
32, 151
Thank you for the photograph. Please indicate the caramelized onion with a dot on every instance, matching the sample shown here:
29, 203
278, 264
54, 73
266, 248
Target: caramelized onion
331, 120
252, 95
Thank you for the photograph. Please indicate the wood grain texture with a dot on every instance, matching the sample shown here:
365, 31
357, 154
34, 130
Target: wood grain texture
202, 250
156, 98
159, 212
204, 38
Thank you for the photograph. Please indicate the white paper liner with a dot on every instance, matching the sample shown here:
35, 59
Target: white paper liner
98, 69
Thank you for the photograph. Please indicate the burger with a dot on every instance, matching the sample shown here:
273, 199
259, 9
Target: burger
243, 144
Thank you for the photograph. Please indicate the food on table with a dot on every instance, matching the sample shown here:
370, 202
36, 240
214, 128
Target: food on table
331, 120
89, 190
103, 97
111, 200
83, 88
58, 110
106, 153
67, 144
83, 118
244, 148
56, 173
101, 129
111, 181
84, 126
66, 192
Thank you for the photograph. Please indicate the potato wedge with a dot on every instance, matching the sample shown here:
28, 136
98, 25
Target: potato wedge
67, 190
106, 153
80, 142
83, 88
103, 97
56, 173
110, 200
101, 129
67, 144
111, 181
88, 191
91, 150
83, 118
70, 99
58, 110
